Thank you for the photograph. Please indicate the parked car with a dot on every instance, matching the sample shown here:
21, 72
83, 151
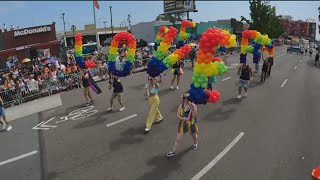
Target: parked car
297, 50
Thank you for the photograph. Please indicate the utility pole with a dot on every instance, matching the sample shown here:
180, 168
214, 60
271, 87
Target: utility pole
105, 29
64, 29
73, 28
129, 20
111, 20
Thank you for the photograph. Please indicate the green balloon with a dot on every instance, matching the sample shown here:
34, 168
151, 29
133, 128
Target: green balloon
204, 85
196, 85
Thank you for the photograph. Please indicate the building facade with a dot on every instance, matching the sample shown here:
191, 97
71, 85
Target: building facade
29, 42
299, 28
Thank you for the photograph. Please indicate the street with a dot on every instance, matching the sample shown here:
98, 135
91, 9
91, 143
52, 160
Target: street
271, 134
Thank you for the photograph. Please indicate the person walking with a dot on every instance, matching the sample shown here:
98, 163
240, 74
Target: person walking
151, 90
310, 52
5, 124
187, 115
264, 71
85, 84
211, 80
316, 59
117, 92
245, 73
192, 55
177, 71
270, 60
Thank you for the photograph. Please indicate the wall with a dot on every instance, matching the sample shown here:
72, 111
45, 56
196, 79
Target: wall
144, 30
12, 42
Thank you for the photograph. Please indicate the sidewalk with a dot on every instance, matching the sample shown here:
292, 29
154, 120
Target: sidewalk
33, 107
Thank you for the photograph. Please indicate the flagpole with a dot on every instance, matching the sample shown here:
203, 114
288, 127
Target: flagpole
95, 23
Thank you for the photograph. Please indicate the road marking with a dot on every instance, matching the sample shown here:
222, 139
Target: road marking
230, 67
225, 79
281, 55
285, 81
121, 120
18, 157
300, 60
217, 158
295, 68
43, 125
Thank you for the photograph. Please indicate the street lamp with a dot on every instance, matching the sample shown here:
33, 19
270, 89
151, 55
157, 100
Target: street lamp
64, 29
111, 20
129, 20
73, 28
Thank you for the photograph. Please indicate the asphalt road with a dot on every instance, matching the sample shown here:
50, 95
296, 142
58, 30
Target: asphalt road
269, 135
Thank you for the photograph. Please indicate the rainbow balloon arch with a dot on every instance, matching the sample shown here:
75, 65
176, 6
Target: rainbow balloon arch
259, 41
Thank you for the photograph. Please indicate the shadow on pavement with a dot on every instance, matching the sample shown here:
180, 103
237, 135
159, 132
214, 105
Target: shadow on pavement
98, 119
163, 166
230, 101
129, 137
164, 92
254, 84
138, 86
220, 114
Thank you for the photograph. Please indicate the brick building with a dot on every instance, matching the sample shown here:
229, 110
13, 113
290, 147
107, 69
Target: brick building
299, 28
29, 42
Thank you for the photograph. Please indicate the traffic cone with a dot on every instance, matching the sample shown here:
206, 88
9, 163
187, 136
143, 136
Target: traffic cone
316, 172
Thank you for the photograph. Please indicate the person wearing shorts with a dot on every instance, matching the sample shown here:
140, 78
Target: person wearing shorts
85, 84
245, 73
176, 73
4, 121
117, 92
187, 114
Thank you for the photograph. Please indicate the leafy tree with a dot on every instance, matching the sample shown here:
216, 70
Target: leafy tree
173, 18
264, 18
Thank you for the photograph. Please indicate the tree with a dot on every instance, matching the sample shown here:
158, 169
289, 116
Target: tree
173, 18
264, 19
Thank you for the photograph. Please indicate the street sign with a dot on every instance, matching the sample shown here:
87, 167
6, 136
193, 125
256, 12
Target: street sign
73, 28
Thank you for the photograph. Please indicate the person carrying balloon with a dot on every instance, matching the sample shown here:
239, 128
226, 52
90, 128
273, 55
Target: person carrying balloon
270, 60
265, 68
85, 84
187, 115
151, 90
245, 73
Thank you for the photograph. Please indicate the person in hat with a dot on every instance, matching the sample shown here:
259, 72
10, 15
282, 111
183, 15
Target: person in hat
117, 92
85, 84
187, 115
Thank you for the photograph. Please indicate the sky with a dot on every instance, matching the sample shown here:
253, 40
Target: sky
33, 13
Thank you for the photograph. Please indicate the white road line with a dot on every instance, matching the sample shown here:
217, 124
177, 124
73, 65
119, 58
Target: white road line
18, 157
217, 158
225, 79
285, 81
295, 68
121, 120
281, 55
300, 60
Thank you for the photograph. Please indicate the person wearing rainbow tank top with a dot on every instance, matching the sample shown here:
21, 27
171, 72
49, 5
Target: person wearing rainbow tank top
187, 114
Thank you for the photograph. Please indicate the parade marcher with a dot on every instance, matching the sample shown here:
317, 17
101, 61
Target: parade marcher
187, 115
117, 92
211, 80
192, 56
257, 65
151, 90
316, 60
85, 84
3, 115
305, 51
177, 72
245, 74
270, 60
265, 68
310, 52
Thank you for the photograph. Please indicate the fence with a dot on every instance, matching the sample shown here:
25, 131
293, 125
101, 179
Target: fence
37, 89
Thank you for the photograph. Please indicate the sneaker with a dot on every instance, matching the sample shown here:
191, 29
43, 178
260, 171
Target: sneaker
3, 127
157, 122
146, 131
91, 102
238, 97
195, 146
171, 87
9, 128
170, 154
177, 87
245, 95
121, 109
110, 109
87, 104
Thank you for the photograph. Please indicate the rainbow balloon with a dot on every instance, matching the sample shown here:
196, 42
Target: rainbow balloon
259, 41
183, 35
78, 51
119, 39
207, 65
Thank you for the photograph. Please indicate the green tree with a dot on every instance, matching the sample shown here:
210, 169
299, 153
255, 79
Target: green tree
264, 18
173, 18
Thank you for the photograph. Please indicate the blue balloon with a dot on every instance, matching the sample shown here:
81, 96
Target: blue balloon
155, 67
198, 95
243, 58
180, 44
192, 36
222, 49
155, 46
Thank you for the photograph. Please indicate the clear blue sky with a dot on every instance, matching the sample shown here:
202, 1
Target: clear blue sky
32, 13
